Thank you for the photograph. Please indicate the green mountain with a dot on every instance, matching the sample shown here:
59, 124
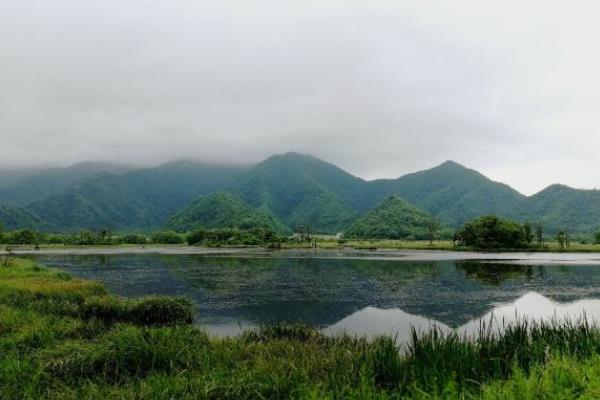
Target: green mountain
393, 218
561, 207
140, 199
37, 186
221, 210
12, 218
294, 188
9, 176
453, 193
301, 189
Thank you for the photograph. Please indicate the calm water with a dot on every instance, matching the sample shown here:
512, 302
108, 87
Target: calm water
358, 295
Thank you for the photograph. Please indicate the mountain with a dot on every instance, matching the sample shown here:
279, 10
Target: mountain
295, 189
301, 189
38, 185
561, 207
12, 218
393, 218
221, 210
453, 193
140, 199
9, 176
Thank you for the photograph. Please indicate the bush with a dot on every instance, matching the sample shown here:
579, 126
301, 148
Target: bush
153, 310
492, 232
167, 237
24, 236
133, 239
106, 308
217, 237
161, 311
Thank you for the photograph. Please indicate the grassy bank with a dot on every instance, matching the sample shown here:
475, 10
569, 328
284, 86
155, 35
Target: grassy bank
65, 338
447, 245
330, 243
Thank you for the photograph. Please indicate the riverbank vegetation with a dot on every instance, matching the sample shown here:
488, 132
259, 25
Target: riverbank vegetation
65, 338
488, 233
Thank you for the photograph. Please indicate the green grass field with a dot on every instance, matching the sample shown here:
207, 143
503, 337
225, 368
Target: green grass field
66, 338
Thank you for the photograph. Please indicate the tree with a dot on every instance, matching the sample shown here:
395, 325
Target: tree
433, 226
304, 231
528, 229
539, 234
564, 239
1, 233
166, 237
492, 232
596, 238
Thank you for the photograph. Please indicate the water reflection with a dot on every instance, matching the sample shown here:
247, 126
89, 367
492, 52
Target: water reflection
368, 296
372, 321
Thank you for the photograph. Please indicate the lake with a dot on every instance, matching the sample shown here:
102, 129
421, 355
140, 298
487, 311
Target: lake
358, 293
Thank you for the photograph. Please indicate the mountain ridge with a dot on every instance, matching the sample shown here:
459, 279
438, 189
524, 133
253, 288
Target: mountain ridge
301, 189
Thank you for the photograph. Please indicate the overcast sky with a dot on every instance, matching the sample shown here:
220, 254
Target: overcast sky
380, 88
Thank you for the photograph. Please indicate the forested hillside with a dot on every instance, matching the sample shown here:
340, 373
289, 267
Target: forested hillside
393, 218
221, 210
141, 199
294, 189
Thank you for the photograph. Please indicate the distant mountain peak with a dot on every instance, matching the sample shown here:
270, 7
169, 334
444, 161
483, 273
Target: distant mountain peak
294, 156
451, 164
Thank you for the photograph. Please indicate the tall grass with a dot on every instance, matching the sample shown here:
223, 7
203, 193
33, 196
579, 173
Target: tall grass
63, 338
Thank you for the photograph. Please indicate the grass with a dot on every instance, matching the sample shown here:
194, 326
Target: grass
326, 242
65, 338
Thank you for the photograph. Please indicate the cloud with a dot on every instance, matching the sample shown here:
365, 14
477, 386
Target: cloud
379, 88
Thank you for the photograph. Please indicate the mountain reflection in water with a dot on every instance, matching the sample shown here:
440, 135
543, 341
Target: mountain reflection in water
372, 321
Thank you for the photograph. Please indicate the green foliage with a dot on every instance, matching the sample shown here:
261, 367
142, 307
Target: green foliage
289, 189
218, 237
167, 237
23, 236
153, 310
492, 232
139, 199
161, 310
394, 218
221, 210
561, 207
564, 239
13, 218
40, 184
453, 193
300, 189
133, 238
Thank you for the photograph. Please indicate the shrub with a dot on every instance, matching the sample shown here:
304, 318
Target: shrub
133, 239
106, 308
167, 237
159, 310
492, 232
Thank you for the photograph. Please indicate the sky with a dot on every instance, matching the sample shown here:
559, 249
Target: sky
379, 88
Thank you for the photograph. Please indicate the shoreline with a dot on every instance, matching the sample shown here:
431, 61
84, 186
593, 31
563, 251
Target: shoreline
389, 254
